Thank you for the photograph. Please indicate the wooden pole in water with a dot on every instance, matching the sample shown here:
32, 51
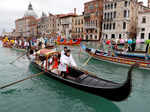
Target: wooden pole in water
30, 77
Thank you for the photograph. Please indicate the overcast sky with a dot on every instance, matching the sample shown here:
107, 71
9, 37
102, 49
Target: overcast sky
10, 10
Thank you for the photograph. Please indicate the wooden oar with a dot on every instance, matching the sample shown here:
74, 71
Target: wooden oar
90, 57
17, 58
30, 77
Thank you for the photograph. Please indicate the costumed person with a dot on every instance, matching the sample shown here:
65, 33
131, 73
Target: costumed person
66, 61
53, 64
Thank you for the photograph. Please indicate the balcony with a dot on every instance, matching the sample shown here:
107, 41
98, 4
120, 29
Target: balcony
107, 19
90, 26
86, 16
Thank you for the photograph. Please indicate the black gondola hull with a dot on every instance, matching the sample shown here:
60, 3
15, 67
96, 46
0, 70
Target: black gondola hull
113, 94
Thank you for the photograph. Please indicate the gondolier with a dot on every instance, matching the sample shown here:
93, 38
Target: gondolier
65, 61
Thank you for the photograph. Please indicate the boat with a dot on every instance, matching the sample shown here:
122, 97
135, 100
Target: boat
136, 54
103, 56
86, 81
73, 42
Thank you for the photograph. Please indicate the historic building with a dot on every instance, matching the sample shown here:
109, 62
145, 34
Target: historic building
52, 25
66, 24
93, 13
43, 24
120, 18
27, 25
143, 31
78, 27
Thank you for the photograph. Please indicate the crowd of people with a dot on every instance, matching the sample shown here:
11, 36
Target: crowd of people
24, 43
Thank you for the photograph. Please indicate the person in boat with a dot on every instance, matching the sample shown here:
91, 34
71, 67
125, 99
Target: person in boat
66, 61
125, 49
53, 63
64, 51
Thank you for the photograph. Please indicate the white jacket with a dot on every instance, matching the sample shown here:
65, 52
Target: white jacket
64, 61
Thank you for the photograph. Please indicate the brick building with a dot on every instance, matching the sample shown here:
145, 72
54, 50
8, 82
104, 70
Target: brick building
93, 13
78, 27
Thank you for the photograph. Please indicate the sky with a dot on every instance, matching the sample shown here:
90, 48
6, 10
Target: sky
10, 10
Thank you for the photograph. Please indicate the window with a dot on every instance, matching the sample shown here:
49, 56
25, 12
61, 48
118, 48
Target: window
125, 3
105, 16
107, 26
115, 14
87, 37
91, 36
119, 36
149, 36
114, 25
112, 35
143, 29
91, 7
95, 37
95, 31
142, 35
104, 27
144, 20
108, 6
96, 22
125, 13
111, 16
110, 26
115, 5
128, 13
124, 25
111, 6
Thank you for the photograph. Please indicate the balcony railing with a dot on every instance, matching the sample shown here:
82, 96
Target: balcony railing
90, 26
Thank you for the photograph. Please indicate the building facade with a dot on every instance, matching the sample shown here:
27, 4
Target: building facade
120, 18
66, 25
27, 25
93, 13
78, 27
43, 25
144, 25
52, 25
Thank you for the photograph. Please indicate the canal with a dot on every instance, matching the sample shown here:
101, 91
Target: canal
42, 94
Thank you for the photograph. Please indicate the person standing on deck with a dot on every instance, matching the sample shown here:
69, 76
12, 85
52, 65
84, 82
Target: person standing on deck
65, 61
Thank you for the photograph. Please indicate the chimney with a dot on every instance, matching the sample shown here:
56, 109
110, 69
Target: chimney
148, 3
75, 11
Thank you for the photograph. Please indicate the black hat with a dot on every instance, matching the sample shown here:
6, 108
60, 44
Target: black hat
65, 47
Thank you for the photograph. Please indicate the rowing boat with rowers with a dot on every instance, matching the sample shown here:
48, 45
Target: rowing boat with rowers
83, 80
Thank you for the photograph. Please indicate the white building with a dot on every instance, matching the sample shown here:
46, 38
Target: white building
120, 18
143, 31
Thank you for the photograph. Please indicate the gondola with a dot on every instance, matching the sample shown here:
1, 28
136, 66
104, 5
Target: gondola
140, 55
103, 56
85, 81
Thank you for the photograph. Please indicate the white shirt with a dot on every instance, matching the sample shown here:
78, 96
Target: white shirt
64, 61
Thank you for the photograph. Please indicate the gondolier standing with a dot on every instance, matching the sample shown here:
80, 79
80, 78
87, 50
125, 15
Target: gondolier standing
65, 61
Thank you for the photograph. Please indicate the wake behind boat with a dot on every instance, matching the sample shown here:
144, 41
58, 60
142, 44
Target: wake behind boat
84, 80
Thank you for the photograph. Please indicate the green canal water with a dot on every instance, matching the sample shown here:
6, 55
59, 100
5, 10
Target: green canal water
43, 94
